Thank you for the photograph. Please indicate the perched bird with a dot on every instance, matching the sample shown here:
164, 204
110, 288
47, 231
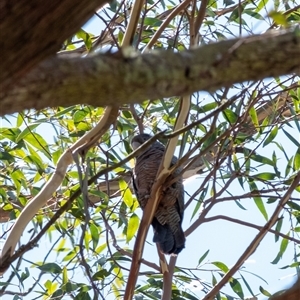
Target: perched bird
169, 214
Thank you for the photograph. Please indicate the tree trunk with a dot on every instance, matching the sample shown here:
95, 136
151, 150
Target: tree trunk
31, 31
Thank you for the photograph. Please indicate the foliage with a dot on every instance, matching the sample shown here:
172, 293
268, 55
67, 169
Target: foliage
245, 138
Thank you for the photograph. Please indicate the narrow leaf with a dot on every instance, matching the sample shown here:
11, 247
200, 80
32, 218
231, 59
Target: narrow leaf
247, 285
203, 257
271, 136
262, 159
264, 292
51, 268
278, 228
260, 205
296, 163
265, 176
237, 288
221, 266
254, 119
94, 235
258, 201
126, 193
132, 227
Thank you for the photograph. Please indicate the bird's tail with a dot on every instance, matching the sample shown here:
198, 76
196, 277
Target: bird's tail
170, 242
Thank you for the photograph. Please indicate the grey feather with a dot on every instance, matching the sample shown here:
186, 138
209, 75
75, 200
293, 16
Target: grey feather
168, 217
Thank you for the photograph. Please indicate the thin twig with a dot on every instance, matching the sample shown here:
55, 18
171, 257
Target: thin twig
221, 217
256, 241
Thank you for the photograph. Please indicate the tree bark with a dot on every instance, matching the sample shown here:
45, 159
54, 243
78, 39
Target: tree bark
119, 78
31, 31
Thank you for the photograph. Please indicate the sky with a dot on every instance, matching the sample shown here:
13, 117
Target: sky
226, 241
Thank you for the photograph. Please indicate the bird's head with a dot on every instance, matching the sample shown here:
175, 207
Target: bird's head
139, 139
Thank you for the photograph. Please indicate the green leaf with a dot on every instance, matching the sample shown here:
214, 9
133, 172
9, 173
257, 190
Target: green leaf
264, 292
296, 163
262, 4
101, 275
65, 278
294, 205
283, 245
82, 34
83, 296
230, 116
7, 156
126, 193
19, 180
20, 119
254, 118
282, 249
271, 136
221, 266
297, 229
200, 201
262, 159
278, 228
94, 234
253, 14
247, 285
79, 115
38, 142
288, 167
237, 202
203, 257
152, 22
214, 280
10, 133
260, 205
276, 259
63, 111
25, 275
196, 209
4, 283
207, 107
265, 176
237, 288
71, 254
50, 268
26, 131
278, 17
258, 201
133, 225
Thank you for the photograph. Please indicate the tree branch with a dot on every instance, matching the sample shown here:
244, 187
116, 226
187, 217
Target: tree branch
86, 141
256, 241
123, 77
221, 217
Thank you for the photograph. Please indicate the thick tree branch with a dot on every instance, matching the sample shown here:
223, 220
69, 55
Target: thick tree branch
31, 31
119, 78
